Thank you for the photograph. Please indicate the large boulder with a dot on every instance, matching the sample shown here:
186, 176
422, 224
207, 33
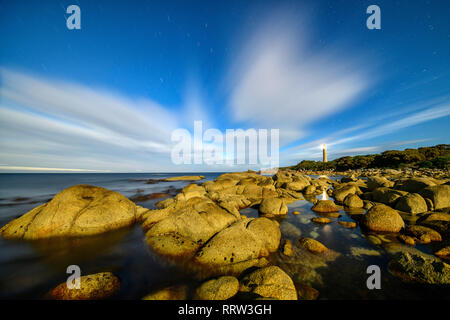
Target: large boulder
92, 287
420, 268
269, 282
353, 201
239, 246
80, 210
222, 288
412, 203
180, 230
414, 185
271, 207
377, 182
343, 191
439, 195
387, 196
382, 218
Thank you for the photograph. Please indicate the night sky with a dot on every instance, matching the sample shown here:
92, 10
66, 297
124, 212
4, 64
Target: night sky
108, 96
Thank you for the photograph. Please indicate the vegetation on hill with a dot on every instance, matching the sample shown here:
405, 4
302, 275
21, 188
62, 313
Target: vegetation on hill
425, 157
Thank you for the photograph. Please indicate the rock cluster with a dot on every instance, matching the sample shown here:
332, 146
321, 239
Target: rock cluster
202, 228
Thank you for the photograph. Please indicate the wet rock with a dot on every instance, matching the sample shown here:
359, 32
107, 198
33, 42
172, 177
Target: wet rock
281, 178
368, 204
271, 207
312, 245
348, 224
359, 252
151, 196
231, 202
443, 253
347, 179
140, 212
353, 201
374, 240
437, 221
412, 203
295, 212
343, 191
222, 288
306, 292
80, 210
439, 195
165, 203
287, 248
184, 178
191, 191
92, 287
324, 206
180, 230
423, 234
240, 246
269, 282
290, 196
297, 185
382, 218
309, 190
321, 220
387, 196
377, 182
406, 239
414, 185
421, 268
169, 293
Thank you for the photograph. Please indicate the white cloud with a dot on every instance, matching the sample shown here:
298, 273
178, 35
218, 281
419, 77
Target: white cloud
278, 83
53, 124
436, 112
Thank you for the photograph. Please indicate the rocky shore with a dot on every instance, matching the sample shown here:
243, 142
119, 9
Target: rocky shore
232, 255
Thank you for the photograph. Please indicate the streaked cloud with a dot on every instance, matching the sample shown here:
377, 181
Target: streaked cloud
16, 168
278, 82
54, 124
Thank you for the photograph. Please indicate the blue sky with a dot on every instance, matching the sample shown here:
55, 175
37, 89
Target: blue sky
107, 97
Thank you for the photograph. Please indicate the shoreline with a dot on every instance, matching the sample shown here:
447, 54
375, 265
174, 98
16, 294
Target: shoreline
212, 217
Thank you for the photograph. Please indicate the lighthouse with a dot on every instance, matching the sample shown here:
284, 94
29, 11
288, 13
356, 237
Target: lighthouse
324, 151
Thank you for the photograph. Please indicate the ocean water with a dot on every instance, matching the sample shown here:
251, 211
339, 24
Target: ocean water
29, 269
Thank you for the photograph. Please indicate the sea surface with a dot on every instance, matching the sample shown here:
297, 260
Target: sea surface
29, 269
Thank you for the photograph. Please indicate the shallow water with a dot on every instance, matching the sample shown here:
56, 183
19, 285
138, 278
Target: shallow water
31, 269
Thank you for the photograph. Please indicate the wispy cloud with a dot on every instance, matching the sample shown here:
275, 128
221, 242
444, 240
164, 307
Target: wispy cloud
50, 123
278, 82
440, 111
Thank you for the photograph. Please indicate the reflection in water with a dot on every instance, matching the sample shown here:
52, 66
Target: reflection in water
61, 252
